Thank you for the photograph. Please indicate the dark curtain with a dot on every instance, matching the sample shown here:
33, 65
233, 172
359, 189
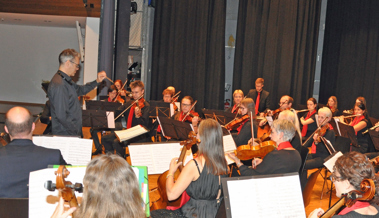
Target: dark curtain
189, 50
350, 62
277, 40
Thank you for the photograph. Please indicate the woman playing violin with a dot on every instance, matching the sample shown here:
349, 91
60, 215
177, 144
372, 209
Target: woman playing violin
360, 124
112, 95
284, 159
122, 92
237, 98
110, 190
185, 108
200, 178
309, 120
333, 105
349, 171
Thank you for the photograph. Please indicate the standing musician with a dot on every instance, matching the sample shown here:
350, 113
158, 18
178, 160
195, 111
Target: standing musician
260, 96
132, 117
360, 125
333, 105
121, 91
284, 159
185, 107
309, 120
319, 150
244, 130
237, 98
200, 178
349, 171
112, 95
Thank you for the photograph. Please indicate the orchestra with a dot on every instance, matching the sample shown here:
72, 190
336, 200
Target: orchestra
252, 113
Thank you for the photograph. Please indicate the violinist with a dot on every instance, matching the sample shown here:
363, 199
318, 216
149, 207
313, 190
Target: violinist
237, 98
110, 189
244, 130
285, 103
121, 91
200, 178
260, 96
138, 114
185, 108
333, 105
112, 95
309, 120
319, 150
349, 171
168, 98
360, 124
284, 159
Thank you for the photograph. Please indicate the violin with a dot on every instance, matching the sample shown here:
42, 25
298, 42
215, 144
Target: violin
187, 144
321, 132
66, 188
4, 141
366, 193
236, 122
140, 102
173, 103
190, 114
375, 161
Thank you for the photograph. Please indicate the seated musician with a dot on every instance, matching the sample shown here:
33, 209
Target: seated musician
244, 130
349, 171
123, 93
237, 98
309, 119
296, 141
167, 95
110, 190
200, 178
113, 95
360, 124
333, 105
284, 159
132, 117
260, 96
319, 151
285, 103
185, 108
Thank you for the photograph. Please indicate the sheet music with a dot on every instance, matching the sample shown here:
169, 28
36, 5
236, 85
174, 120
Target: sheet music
178, 105
172, 111
135, 131
229, 147
272, 197
338, 128
331, 162
42, 202
156, 157
110, 119
75, 151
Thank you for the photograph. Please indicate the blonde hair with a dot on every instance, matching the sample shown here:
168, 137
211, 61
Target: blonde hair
110, 190
291, 116
238, 91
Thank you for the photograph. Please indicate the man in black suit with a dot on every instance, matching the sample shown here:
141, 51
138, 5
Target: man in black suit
21, 156
260, 96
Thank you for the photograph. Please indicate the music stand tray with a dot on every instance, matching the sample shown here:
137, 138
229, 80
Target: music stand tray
174, 128
159, 108
95, 118
220, 116
102, 105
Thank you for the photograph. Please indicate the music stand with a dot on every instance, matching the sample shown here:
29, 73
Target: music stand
174, 128
220, 116
346, 131
102, 105
374, 134
95, 118
159, 108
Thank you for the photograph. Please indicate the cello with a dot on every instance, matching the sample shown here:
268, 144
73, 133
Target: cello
66, 188
187, 144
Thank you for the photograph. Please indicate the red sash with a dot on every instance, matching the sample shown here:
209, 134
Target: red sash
240, 127
257, 103
357, 205
234, 109
356, 121
284, 145
130, 117
305, 127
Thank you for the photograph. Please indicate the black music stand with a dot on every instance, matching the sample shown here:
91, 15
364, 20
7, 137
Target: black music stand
345, 131
175, 129
374, 134
159, 108
102, 105
95, 118
220, 116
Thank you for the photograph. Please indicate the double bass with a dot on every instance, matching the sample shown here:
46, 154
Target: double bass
187, 144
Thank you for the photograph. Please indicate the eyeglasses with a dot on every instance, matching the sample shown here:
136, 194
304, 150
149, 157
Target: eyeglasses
281, 103
186, 105
335, 178
77, 65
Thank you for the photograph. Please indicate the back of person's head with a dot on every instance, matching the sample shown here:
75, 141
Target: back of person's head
19, 122
67, 55
212, 146
249, 104
286, 127
137, 83
110, 189
355, 167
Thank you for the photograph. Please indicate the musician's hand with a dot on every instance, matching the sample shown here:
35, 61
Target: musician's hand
174, 166
101, 76
263, 122
235, 159
377, 129
269, 112
261, 114
250, 142
315, 136
255, 162
195, 120
137, 112
60, 212
316, 213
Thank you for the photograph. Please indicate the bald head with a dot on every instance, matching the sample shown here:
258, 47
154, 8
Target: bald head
172, 88
19, 123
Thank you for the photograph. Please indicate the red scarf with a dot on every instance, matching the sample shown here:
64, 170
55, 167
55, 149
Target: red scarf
284, 145
356, 121
313, 148
305, 127
240, 127
357, 205
130, 117
234, 109
257, 103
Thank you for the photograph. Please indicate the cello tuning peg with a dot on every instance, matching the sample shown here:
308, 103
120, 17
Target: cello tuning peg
78, 187
49, 185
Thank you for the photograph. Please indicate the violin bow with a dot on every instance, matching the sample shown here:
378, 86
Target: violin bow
189, 111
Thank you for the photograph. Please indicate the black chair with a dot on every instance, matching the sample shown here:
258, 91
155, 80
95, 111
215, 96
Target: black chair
14, 207
304, 154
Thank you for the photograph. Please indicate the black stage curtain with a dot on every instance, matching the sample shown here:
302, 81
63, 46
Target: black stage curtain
277, 40
189, 50
350, 62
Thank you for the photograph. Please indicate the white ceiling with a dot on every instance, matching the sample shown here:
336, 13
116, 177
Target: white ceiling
41, 20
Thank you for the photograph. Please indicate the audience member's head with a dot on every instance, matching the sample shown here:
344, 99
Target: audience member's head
19, 123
